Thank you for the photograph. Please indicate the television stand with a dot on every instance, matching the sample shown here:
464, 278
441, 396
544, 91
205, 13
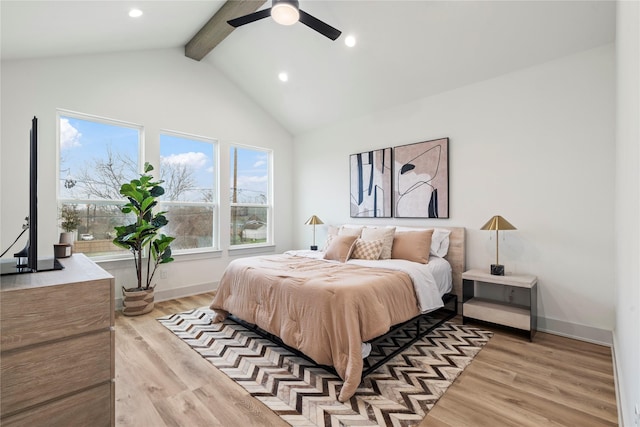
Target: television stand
8, 267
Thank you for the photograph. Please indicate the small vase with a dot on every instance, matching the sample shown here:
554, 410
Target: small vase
137, 301
68, 237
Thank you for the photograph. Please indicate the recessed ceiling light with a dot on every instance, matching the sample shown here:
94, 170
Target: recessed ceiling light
283, 77
135, 13
350, 41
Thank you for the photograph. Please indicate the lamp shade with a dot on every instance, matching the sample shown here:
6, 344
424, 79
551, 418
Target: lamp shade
498, 223
314, 220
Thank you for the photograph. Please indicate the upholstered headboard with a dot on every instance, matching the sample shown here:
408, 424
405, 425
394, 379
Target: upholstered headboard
456, 257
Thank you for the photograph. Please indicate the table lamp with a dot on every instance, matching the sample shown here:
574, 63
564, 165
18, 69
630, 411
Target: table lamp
497, 223
314, 220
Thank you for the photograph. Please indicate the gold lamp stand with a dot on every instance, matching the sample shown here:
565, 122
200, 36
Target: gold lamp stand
314, 220
497, 223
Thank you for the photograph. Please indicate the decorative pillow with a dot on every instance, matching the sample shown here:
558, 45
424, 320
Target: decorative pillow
439, 241
367, 249
412, 246
340, 248
345, 230
385, 234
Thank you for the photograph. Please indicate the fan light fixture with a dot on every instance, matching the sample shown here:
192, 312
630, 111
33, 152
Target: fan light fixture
285, 12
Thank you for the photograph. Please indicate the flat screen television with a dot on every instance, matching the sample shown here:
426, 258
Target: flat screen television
26, 261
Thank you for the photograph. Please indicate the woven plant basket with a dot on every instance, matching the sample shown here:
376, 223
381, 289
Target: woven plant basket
137, 302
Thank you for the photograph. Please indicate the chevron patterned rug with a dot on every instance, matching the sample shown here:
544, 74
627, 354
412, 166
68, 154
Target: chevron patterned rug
400, 393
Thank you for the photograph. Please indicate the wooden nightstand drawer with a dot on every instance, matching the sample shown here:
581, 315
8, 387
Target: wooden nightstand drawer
475, 306
501, 314
34, 375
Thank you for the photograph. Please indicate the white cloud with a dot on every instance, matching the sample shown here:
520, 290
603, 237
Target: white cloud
253, 179
259, 163
195, 160
69, 136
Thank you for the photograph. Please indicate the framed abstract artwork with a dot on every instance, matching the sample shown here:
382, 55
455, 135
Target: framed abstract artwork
421, 180
370, 175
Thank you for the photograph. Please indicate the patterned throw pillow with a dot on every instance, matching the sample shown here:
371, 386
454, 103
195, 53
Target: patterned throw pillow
385, 234
367, 249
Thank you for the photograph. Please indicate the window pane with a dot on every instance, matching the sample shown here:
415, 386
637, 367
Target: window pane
187, 167
249, 187
249, 176
249, 225
96, 158
95, 231
192, 226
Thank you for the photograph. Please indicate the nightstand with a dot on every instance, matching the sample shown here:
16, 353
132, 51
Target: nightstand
490, 309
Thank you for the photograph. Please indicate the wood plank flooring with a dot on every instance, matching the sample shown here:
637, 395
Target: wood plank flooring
552, 381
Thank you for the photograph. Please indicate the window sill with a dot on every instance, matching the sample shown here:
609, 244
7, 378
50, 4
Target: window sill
119, 261
252, 250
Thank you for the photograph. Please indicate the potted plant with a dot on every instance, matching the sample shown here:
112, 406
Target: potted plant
69, 222
143, 239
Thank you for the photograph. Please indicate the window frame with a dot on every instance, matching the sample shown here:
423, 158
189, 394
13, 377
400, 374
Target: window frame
215, 203
60, 113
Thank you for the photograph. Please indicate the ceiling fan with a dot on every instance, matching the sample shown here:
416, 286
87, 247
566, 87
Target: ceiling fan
288, 12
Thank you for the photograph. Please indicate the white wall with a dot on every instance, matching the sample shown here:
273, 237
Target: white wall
160, 90
536, 146
626, 333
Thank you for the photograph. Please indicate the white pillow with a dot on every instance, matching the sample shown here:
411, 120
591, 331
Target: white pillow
441, 240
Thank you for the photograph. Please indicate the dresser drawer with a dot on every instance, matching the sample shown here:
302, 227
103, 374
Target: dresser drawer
47, 313
93, 407
38, 374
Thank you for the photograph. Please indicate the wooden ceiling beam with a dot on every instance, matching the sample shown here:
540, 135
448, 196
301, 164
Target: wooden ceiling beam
217, 28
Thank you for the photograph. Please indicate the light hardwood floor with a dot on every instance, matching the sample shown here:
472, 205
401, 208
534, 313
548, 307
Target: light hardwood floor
552, 381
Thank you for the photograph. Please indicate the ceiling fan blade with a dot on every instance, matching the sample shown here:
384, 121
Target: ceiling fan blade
247, 19
316, 24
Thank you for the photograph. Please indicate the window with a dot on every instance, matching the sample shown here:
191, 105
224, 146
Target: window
188, 168
96, 156
250, 196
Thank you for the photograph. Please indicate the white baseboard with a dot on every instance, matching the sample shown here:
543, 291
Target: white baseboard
616, 376
186, 291
573, 330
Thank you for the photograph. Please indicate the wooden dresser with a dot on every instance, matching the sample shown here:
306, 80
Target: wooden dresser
57, 347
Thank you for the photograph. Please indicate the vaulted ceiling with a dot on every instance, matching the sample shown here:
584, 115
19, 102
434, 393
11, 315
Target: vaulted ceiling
405, 50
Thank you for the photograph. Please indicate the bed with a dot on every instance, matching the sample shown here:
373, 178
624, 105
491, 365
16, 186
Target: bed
330, 310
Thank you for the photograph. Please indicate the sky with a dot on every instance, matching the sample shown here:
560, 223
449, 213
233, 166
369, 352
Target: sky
82, 141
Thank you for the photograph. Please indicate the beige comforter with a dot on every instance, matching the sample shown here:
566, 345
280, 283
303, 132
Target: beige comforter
324, 309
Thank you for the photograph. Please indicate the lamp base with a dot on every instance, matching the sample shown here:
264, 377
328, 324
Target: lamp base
497, 269
314, 248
